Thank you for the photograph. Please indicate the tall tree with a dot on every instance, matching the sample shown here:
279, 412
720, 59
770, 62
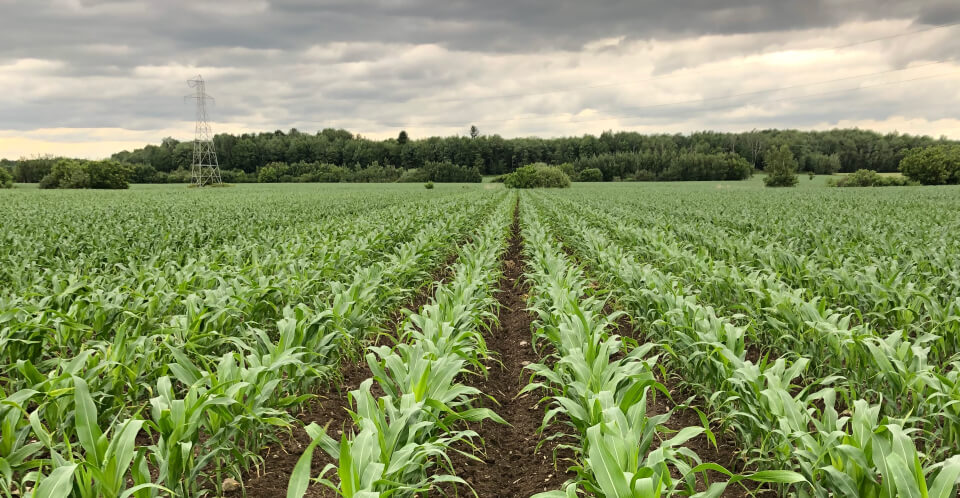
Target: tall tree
402, 139
474, 131
781, 167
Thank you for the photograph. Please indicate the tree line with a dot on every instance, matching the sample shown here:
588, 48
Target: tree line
845, 150
618, 155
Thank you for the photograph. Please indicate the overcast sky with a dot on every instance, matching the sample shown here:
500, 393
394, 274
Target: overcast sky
91, 77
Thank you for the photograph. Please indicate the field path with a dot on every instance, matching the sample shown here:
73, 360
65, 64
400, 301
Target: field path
510, 466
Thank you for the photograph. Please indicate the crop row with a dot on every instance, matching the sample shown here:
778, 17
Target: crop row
908, 372
602, 387
909, 283
402, 441
782, 418
134, 407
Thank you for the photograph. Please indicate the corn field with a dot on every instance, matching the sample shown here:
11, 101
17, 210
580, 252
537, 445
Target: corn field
164, 342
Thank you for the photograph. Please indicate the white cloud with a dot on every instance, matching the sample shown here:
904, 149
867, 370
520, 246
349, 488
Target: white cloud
804, 78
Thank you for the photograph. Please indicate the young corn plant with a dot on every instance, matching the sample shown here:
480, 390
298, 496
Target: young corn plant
402, 440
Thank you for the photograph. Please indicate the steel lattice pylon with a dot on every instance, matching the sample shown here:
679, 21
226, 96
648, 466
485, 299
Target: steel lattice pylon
205, 170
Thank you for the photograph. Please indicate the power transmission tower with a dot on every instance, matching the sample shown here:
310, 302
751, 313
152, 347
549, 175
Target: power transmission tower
205, 170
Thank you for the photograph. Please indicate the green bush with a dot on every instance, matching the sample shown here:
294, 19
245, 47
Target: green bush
537, 175
643, 175
869, 178
571, 172
108, 174
33, 170
591, 175
375, 174
6, 179
667, 166
237, 176
414, 175
428, 185
447, 172
781, 167
939, 165
73, 173
272, 172
821, 164
179, 175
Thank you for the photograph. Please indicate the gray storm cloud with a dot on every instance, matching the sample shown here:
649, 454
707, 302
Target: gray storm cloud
553, 67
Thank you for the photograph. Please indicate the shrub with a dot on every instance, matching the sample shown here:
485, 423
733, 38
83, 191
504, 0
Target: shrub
143, 173
179, 175
821, 164
869, 178
272, 172
376, 174
537, 175
591, 175
781, 167
6, 179
447, 172
72, 173
33, 170
414, 175
939, 165
237, 176
696, 166
108, 174
668, 165
428, 185
643, 175
571, 172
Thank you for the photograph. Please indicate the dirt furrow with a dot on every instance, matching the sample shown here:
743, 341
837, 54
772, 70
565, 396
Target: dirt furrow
511, 465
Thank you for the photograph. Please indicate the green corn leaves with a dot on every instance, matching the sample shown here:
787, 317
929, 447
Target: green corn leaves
139, 341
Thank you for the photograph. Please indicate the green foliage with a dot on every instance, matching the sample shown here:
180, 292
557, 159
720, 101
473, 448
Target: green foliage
666, 166
272, 173
816, 353
303, 172
494, 155
6, 179
375, 173
428, 185
591, 175
414, 175
939, 165
158, 353
73, 173
599, 385
820, 164
33, 170
868, 178
781, 167
447, 172
570, 171
537, 176
643, 175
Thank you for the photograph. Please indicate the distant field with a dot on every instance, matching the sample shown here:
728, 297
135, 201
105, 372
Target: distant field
806, 324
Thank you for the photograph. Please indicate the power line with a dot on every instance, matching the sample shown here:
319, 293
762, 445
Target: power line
883, 38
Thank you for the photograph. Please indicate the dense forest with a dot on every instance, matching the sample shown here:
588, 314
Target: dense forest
618, 155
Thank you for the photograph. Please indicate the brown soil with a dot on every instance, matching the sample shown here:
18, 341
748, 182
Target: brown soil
511, 464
